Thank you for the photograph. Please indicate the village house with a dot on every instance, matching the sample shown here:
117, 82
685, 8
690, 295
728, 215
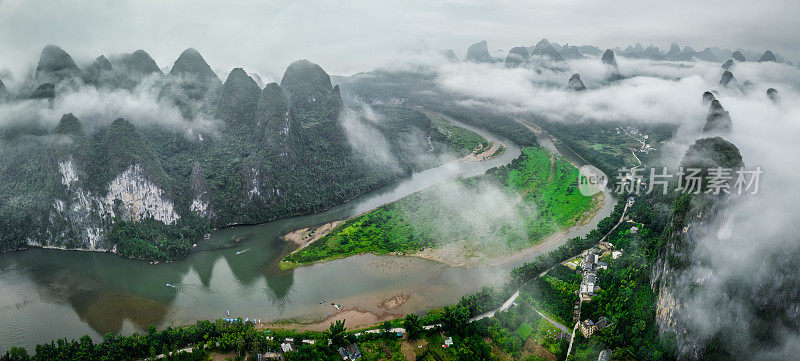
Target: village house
588, 327
350, 352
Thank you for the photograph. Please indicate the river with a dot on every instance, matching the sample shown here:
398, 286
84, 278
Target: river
50, 294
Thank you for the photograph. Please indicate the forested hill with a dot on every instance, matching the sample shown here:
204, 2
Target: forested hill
238, 153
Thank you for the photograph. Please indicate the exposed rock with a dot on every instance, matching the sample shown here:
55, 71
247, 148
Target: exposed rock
738, 56
138, 198
772, 94
708, 97
727, 79
191, 63
3, 91
55, 65
200, 202
517, 55
130, 195
44, 91
238, 99
609, 58
575, 83
728, 64
718, 119
124, 146
479, 53
768, 56
544, 49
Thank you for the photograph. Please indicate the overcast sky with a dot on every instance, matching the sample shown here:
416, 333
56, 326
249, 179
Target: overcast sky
358, 35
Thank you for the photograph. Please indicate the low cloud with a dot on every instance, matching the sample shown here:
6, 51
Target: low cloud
143, 106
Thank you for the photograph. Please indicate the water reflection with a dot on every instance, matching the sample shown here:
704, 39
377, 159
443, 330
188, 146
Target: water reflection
50, 294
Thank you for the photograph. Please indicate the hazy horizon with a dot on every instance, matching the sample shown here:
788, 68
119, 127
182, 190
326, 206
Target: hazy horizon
346, 38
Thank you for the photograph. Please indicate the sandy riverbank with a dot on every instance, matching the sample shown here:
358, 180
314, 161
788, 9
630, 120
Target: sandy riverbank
355, 317
306, 236
485, 155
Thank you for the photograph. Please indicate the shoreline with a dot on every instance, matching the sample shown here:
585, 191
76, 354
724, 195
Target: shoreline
448, 254
485, 155
304, 237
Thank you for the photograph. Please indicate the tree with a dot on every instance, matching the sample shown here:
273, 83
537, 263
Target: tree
412, 325
473, 348
16, 354
386, 328
455, 319
336, 333
240, 346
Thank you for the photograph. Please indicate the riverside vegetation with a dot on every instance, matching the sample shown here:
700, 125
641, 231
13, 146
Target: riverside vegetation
538, 186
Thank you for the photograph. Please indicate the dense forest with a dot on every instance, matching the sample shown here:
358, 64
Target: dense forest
150, 191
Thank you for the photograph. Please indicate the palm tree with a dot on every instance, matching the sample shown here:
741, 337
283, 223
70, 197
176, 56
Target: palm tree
336, 333
412, 326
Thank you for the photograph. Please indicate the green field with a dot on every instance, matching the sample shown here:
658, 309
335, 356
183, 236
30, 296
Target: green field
461, 140
502, 211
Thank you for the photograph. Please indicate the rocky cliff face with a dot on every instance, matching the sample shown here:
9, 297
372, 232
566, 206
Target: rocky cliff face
544, 49
677, 274
85, 217
517, 55
718, 119
768, 56
479, 53
728, 80
773, 95
575, 83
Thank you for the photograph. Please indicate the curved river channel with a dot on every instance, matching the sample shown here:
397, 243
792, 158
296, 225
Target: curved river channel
49, 294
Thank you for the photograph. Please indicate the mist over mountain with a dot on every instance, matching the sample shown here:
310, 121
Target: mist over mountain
137, 64
55, 65
575, 83
544, 49
479, 52
517, 55
145, 154
248, 153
